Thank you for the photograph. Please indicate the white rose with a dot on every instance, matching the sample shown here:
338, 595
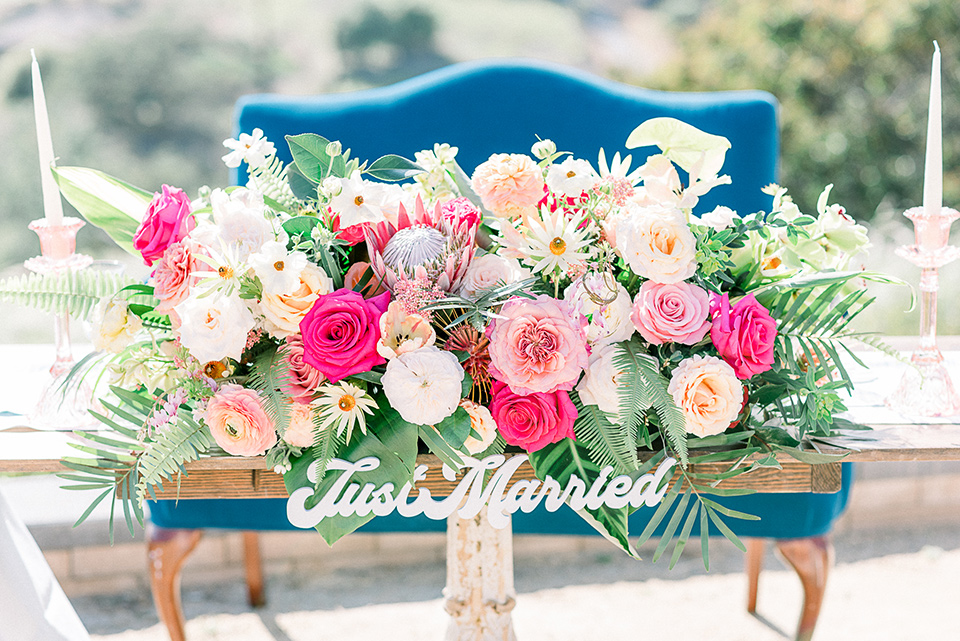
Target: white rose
214, 327
240, 221
708, 392
657, 243
600, 382
424, 385
481, 422
608, 323
489, 272
116, 326
720, 218
571, 177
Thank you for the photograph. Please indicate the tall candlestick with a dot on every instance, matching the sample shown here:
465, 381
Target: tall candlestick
52, 207
933, 167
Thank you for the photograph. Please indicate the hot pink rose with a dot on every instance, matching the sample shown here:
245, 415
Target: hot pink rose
744, 334
340, 333
238, 422
678, 313
302, 379
532, 421
167, 221
172, 277
460, 210
536, 346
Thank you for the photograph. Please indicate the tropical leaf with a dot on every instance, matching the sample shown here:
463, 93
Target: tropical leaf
310, 155
327, 442
392, 167
75, 292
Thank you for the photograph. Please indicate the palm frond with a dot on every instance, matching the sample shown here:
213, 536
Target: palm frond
182, 441
327, 442
607, 443
75, 292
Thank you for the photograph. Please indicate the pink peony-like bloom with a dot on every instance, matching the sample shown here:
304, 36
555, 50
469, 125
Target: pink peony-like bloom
238, 422
166, 222
460, 210
174, 274
678, 313
536, 346
708, 393
743, 334
532, 421
340, 333
302, 379
507, 183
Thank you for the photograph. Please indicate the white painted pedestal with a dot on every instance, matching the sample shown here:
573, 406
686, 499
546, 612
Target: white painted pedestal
479, 593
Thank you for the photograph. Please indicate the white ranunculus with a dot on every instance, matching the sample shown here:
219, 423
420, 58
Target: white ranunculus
279, 271
720, 218
600, 382
116, 326
571, 177
608, 322
214, 327
424, 385
489, 272
657, 243
240, 221
356, 203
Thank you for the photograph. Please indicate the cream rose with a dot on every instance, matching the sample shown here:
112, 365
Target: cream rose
481, 422
489, 272
657, 243
708, 392
214, 326
283, 312
607, 322
299, 432
600, 382
116, 326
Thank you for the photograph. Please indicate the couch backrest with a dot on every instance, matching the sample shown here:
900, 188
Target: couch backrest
503, 105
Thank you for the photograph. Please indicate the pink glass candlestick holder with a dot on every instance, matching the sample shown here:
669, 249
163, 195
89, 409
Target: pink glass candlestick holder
60, 406
926, 388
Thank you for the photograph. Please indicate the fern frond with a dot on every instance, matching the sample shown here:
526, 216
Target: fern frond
326, 444
184, 440
268, 377
271, 181
607, 443
74, 292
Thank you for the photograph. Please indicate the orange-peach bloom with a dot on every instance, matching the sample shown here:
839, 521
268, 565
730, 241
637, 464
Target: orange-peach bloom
507, 183
708, 392
283, 312
238, 422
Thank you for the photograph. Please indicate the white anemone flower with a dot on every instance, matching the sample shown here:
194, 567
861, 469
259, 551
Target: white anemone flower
355, 204
252, 148
424, 385
279, 271
571, 177
551, 242
344, 406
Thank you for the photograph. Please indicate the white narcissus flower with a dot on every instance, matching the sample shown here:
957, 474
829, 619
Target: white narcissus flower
215, 326
601, 381
481, 422
489, 272
355, 204
571, 177
116, 326
279, 271
424, 385
401, 332
608, 322
251, 148
656, 243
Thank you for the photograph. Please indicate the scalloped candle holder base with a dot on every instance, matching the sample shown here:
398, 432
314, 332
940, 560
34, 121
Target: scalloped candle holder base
926, 388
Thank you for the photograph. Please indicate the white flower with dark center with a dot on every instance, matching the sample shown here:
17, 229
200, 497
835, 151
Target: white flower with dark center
354, 203
424, 385
343, 406
279, 271
571, 177
252, 148
549, 242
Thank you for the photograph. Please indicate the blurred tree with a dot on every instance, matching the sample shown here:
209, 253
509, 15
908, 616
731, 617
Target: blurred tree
378, 48
852, 77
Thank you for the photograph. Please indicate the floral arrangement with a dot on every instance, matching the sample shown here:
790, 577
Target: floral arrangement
580, 313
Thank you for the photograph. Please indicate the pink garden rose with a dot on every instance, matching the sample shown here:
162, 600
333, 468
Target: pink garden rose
238, 422
340, 333
460, 210
173, 275
743, 334
166, 222
678, 313
536, 346
302, 379
532, 421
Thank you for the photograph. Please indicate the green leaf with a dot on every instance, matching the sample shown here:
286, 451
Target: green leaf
608, 444
455, 428
309, 152
392, 167
301, 226
106, 202
672, 524
440, 447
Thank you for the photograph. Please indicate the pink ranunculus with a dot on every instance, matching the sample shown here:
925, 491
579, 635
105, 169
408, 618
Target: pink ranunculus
678, 313
532, 421
460, 210
173, 275
537, 346
340, 333
302, 379
743, 334
351, 235
166, 222
238, 422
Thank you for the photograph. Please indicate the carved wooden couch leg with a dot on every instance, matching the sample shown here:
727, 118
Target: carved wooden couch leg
167, 550
754, 561
811, 558
254, 569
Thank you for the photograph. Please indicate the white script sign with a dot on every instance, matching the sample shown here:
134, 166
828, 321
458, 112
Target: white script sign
470, 495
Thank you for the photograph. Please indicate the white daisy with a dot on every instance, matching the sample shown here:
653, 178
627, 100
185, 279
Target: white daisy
354, 204
279, 271
342, 406
555, 243
619, 168
251, 148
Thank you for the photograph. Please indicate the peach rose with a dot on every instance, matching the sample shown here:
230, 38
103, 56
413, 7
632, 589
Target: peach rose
299, 432
656, 243
174, 274
507, 183
708, 392
283, 312
677, 313
238, 422
481, 422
